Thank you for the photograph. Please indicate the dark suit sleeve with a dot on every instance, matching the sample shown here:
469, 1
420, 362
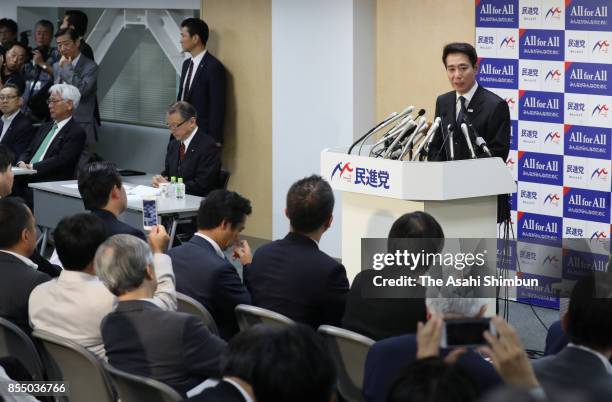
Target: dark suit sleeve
45, 266
27, 154
23, 137
201, 349
181, 84
230, 289
68, 155
206, 174
436, 145
334, 299
498, 130
217, 102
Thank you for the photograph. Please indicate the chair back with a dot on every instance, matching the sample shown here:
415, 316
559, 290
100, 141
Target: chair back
134, 388
189, 305
349, 351
249, 316
67, 361
16, 343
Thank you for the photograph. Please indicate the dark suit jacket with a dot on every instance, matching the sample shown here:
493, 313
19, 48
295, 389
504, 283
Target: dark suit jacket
211, 280
575, 369
62, 156
17, 283
381, 318
201, 166
114, 226
222, 392
19, 135
388, 358
207, 94
171, 347
293, 277
489, 115
555, 339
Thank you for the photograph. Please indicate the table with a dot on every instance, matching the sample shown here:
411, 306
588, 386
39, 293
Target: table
53, 201
17, 171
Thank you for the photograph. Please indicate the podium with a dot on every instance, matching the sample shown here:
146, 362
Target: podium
461, 195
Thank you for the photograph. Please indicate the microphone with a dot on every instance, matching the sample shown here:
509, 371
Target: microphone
480, 142
422, 124
424, 145
406, 131
466, 134
450, 130
390, 119
394, 131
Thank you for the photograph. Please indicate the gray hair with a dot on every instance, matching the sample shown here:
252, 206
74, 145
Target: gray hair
121, 263
184, 109
462, 306
67, 92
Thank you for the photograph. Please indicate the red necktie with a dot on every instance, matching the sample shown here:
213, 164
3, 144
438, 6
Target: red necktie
182, 151
188, 80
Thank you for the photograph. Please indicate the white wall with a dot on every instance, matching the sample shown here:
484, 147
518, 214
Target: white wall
321, 96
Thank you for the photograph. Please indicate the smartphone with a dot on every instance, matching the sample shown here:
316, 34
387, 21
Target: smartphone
466, 332
149, 213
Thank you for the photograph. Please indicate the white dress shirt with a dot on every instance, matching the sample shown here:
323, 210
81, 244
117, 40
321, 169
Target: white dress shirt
213, 243
187, 141
60, 125
468, 97
6, 123
73, 305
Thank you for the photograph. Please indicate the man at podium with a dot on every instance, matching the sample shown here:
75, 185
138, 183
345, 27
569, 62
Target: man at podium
481, 113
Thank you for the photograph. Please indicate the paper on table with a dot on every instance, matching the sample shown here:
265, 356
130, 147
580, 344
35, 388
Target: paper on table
142, 191
74, 185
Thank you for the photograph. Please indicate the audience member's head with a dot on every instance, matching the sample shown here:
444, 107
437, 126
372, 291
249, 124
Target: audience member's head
15, 58
194, 34
18, 232
10, 99
43, 33
310, 204
68, 43
101, 187
454, 306
181, 120
64, 99
124, 263
587, 321
8, 31
6, 171
76, 20
281, 363
76, 239
222, 215
432, 380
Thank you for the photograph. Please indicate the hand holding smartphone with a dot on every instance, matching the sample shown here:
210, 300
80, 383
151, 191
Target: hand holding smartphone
150, 218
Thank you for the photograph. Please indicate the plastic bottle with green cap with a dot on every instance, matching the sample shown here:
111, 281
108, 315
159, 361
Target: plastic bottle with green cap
180, 189
172, 189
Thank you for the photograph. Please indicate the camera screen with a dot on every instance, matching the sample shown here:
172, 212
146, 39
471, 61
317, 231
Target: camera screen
149, 213
466, 332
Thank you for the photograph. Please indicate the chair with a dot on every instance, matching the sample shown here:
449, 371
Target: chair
15, 343
189, 305
65, 360
248, 316
134, 388
349, 351
224, 177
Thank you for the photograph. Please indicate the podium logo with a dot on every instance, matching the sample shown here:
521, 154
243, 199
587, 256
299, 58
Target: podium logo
589, 142
344, 171
361, 176
489, 13
588, 205
553, 13
588, 15
588, 78
542, 44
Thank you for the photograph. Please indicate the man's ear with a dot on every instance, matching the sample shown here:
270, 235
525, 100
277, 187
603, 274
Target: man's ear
286, 213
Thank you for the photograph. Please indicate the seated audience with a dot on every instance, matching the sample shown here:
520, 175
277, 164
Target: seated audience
388, 357
11, 70
274, 363
192, 154
8, 34
584, 364
380, 318
73, 305
201, 269
292, 276
103, 194
143, 339
19, 274
80, 71
57, 145
16, 131
6, 171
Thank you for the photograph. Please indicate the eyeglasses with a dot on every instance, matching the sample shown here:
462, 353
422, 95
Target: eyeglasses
174, 127
50, 101
7, 97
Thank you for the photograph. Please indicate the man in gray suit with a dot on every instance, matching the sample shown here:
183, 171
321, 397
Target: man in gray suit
584, 364
76, 69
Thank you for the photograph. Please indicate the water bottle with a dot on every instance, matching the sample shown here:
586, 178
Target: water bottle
180, 189
172, 189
